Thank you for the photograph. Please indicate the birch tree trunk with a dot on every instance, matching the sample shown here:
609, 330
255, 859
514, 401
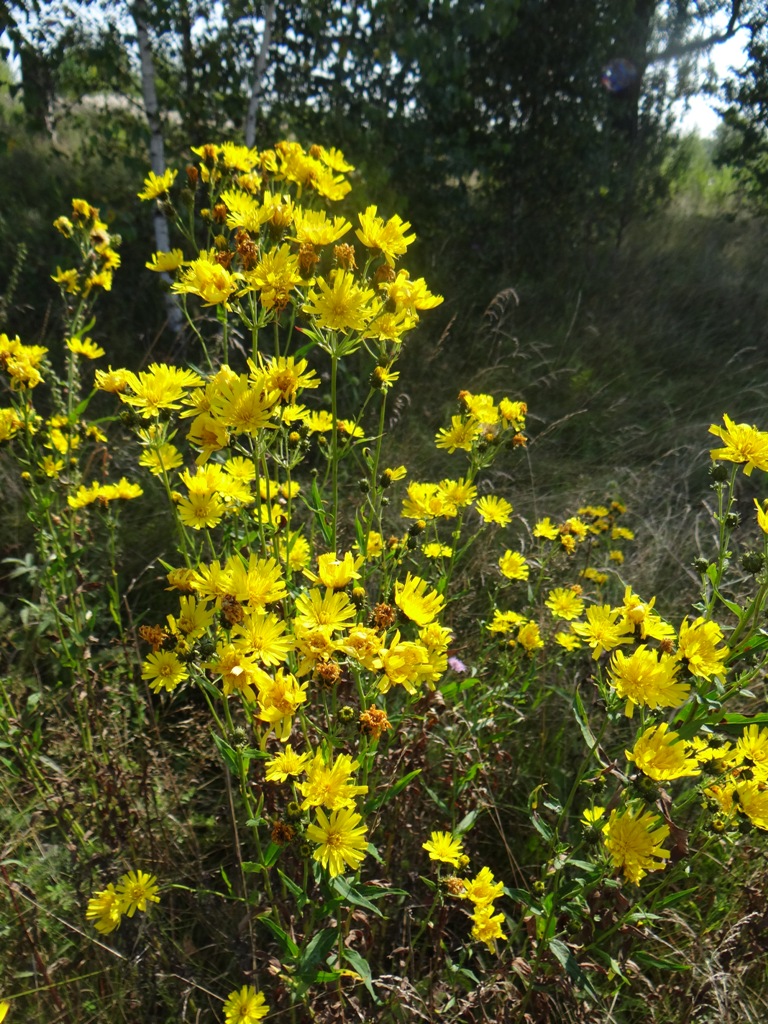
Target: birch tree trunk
156, 149
258, 75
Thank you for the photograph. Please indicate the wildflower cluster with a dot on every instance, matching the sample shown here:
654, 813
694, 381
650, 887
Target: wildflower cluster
133, 892
480, 891
313, 613
97, 251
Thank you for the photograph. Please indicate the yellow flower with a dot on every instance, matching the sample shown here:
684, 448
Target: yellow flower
275, 277
341, 838
85, 347
458, 493
238, 670
284, 375
165, 262
643, 619
342, 306
505, 622
436, 550
209, 280
193, 619
592, 815
111, 380
634, 840
762, 516
264, 635
316, 228
332, 609
68, 279
64, 226
564, 603
514, 566
753, 801
244, 405
10, 423
461, 434
546, 528
135, 890
104, 910
411, 295
752, 747
258, 582
201, 511
601, 630
405, 664
165, 671
328, 783
646, 679
568, 641
662, 755
529, 637
389, 239
743, 444
494, 510
335, 572
482, 889
160, 459
444, 847
159, 387
416, 602
294, 550
285, 764
697, 648
279, 697
245, 1007
486, 926
157, 185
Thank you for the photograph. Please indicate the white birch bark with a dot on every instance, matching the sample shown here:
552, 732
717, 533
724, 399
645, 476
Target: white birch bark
156, 150
258, 75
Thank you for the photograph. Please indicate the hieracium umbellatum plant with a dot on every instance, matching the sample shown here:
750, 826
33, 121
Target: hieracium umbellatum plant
367, 648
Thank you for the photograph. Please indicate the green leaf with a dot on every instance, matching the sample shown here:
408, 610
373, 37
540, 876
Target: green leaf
436, 799
326, 977
289, 947
732, 606
352, 895
674, 897
390, 792
291, 886
571, 966
315, 952
228, 754
360, 964
580, 715
542, 827
271, 854
662, 963
466, 822
316, 507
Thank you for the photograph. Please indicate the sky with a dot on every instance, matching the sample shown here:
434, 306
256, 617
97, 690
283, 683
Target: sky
700, 115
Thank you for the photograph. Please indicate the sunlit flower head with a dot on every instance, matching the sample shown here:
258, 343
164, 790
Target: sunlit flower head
157, 185
246, 1006
445, 848
662, 755
494, 510
417, 602
742, 444
647, 679
633, 839
341, 838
